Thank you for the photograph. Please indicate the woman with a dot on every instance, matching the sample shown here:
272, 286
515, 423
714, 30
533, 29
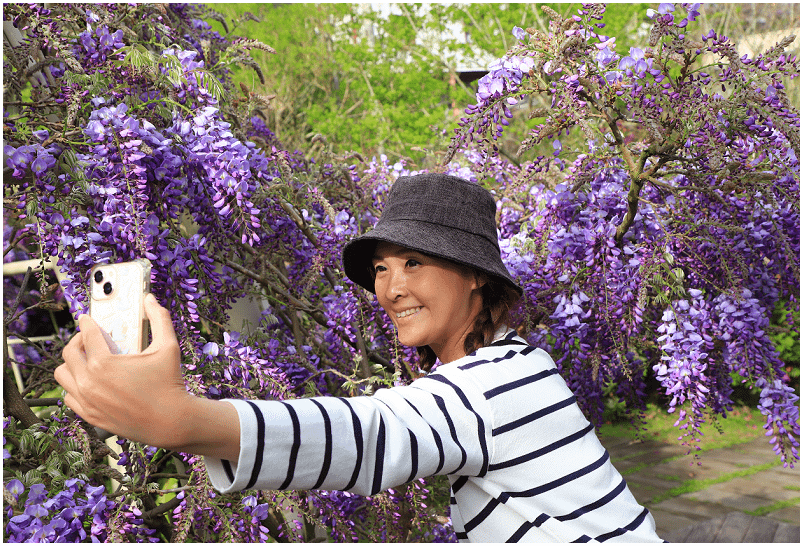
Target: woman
495, 416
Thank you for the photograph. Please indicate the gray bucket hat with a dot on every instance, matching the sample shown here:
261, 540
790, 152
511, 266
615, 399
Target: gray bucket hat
437, 214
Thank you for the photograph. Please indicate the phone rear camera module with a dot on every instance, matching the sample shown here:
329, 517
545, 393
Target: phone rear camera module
98, 276
107, 288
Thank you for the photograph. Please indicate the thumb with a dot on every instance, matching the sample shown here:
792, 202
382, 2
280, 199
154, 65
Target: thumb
160, 324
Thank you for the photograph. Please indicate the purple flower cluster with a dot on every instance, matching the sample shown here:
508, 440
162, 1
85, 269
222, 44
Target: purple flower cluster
99, 44
76, 513
684, 370
258, 513
636, 66
779, 404
339, 511
504, 79
748, 351
666, 9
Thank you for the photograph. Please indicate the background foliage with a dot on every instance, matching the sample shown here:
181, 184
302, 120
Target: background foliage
648, 205
389, 81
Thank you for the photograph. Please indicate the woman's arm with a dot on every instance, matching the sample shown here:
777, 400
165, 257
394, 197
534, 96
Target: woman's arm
143, 397
363, 444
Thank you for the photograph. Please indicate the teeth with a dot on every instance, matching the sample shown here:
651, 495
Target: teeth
408, 312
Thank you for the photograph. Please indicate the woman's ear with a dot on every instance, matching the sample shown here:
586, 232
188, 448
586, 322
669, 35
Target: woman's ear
480, 279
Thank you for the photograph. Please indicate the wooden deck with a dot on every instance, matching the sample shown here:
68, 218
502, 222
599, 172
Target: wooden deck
737, 527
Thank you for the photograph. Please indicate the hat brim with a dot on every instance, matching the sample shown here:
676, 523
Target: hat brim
433, 239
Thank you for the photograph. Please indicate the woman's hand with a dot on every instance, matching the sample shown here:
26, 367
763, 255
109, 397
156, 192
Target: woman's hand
142, 396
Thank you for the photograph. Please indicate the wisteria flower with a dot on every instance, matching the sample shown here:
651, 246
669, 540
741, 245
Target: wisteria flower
636, 65
504, 77
15, 487
606, 54
664, 8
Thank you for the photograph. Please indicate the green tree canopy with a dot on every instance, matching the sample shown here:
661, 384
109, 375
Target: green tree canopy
381, 81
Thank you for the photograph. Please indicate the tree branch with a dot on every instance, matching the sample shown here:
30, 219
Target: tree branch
14, 404
633, 207
318, 316
41, 402
364, 372
175, 475
161, 508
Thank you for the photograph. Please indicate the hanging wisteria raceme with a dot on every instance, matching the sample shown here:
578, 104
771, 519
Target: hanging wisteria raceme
655, 251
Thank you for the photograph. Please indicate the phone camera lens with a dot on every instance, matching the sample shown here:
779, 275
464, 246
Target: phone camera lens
98, 276
107, 288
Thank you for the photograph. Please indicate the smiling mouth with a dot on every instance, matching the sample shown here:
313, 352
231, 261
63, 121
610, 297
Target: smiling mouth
408, 312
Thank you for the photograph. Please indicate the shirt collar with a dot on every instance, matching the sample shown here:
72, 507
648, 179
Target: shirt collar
501, 333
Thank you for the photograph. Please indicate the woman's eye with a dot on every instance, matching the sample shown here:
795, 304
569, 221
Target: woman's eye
379, 269
412, 262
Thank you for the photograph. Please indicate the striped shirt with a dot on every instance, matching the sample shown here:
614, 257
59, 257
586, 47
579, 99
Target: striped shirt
523, 462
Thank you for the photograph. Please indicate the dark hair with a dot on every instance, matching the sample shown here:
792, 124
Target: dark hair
498, 298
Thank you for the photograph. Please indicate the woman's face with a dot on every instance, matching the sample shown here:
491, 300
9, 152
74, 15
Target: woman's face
430, 301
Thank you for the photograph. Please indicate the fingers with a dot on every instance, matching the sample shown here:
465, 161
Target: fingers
74, 348
65, 378
74, 363
73, 404
160, 324
92, 340
74, 358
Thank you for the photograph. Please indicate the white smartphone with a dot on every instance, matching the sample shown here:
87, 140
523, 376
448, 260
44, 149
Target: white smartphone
117, 304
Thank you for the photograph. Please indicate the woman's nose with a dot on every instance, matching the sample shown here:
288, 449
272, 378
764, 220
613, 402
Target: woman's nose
396, 286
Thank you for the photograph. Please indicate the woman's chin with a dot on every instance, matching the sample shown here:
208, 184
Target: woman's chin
411, 338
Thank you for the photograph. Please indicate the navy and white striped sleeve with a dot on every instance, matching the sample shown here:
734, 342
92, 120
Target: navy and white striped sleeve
437, 425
